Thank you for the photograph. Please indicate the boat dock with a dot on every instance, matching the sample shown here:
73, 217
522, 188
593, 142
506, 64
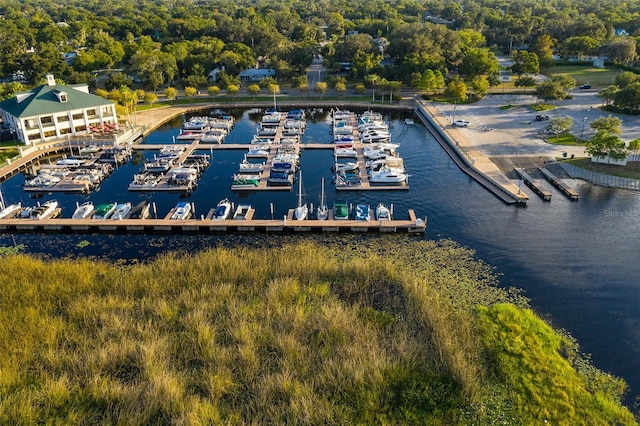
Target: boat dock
532, 183
571, 193
206, 225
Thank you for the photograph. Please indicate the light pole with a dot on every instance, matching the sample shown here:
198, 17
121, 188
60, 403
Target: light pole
584, 121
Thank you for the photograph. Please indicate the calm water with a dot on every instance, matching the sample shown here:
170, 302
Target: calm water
577, 261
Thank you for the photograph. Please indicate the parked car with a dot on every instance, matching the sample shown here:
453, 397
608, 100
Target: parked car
461, 123
542, 117
585, 86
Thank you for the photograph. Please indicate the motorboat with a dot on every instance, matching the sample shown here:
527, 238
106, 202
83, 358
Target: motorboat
302, 210
340, 210
223, 210
342, 128
261, 140
245, 181
271, 117
343, 139
42, 180
283, 166
322, 212
84, 211
182, 211
46, 210
340, 114
104, 211
241, 212
344, 179
409, 121
196, 123
362, 212
10, 211
296, 114
182, 176
280, 178
348, 166
171, 151
140, 210
345, 152
372, 136
159, 165
385, 175
259, 152
144, 181
122, 211
73, 162
247, 167
188, 135
383, 212
213, 136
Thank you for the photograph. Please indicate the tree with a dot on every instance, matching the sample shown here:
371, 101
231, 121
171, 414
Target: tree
150, 98
566, 82
232, 90
608, 94
621, 50
550, 90
480, 85
634, 147
190, 92
372, 80
253, 89
341, 88
605, 144
478, 61
171, 93
321, 88
607, 124
525, 81
580, 45
543, 48
456, 90
525, 63
559, 125
359, 88
213, 91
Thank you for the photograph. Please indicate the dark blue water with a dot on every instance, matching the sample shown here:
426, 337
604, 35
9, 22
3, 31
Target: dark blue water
576, 261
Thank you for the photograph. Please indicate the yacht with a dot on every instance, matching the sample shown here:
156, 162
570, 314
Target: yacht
10, 211
388, 176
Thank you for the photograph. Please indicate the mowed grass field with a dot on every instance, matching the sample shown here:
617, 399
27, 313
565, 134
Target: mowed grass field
597, 77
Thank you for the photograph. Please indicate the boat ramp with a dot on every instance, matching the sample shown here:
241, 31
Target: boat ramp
562, 186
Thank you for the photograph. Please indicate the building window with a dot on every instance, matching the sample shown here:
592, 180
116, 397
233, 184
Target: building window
46, 120
79, 116
91, 112
63, 119
50, 134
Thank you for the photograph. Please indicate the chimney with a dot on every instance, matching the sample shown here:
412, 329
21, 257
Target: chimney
51, 81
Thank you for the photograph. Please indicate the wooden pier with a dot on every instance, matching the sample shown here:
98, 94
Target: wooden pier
534, 184
202, 225
571, 193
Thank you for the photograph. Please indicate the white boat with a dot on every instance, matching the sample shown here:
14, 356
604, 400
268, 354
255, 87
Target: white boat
340, 114
122, 211
223, 210
271, 117
349, 166
10, 211
241, 212
387, 176
247, 167
213, 136
342, 128
45, 210
301, 211
409, 121
373, 136
159, 165
188, 135
345, 153
391, 163
182, 211
362, 212
42, 180
74, 162
260, 152
383, 212
322, 212
144, 181
84, 211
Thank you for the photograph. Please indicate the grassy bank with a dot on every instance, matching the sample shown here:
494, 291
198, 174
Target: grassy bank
631, 170
304, 335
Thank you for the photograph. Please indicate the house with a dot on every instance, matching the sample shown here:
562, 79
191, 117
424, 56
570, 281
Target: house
256, 74
53, 111
212, 77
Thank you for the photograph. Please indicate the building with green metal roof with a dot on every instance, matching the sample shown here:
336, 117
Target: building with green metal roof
54, 111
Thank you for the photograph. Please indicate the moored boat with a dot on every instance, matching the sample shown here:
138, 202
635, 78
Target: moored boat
10, 211
383, 212
340, 210
362, 212
122, 211
301, 211
104, 211
182, 211
241, 212
84, 211
45, 210
223, 210
245, 181
140, 210
322, 212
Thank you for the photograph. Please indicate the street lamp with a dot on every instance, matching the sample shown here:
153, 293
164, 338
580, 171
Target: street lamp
584, 121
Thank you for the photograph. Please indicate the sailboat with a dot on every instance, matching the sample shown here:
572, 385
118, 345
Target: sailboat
300, 212
323, 211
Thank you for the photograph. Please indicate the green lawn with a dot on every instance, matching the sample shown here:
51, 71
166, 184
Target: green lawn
631, 170
597, 77
564, 139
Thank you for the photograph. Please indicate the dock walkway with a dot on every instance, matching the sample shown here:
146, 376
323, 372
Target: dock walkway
571, 193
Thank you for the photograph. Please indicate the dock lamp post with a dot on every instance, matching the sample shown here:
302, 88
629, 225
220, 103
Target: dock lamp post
584, 121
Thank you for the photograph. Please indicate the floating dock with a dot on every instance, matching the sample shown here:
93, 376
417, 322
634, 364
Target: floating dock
532, 183
571, 193
202, 225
